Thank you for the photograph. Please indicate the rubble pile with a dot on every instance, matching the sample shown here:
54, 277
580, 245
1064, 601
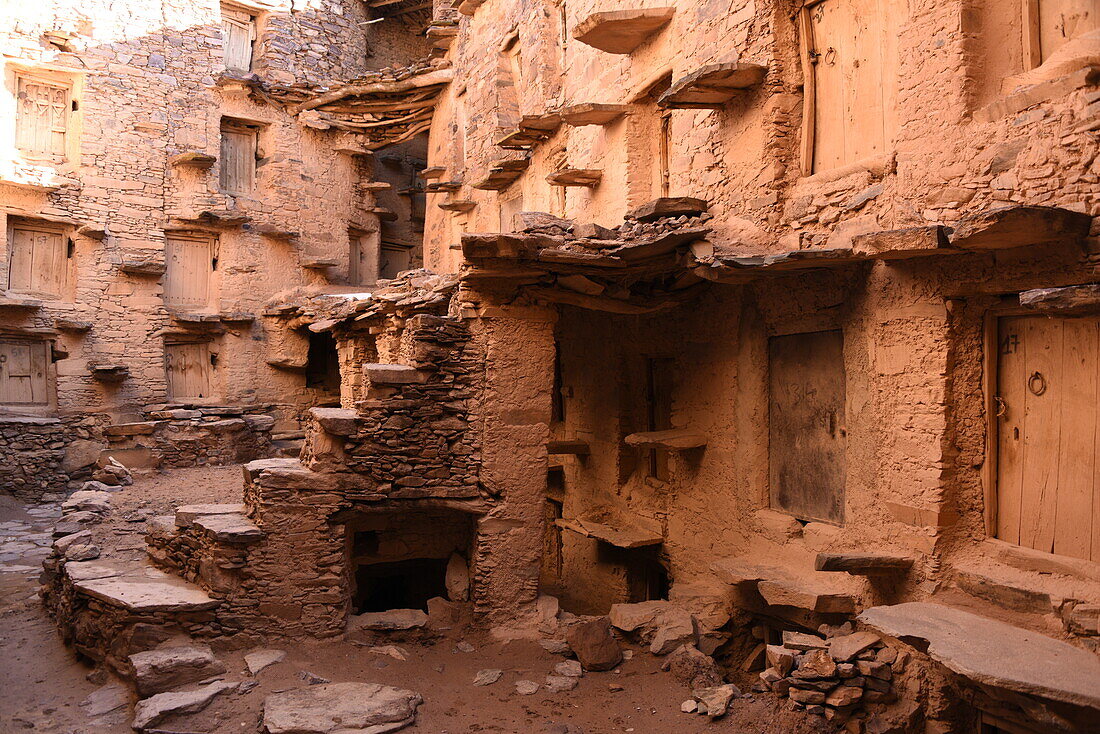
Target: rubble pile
835, 675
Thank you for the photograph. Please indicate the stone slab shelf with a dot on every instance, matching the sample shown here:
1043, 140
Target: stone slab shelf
501, 174
621, 31
319, 263
676, 439
584, 177
432, 172
712, 86
863, 564
458, 205
620, 537
11, 300
376, 185
468, 7
73, 325
668, 206
441, 36
394, 374
386, 215
1020, 226
592, 113
271, 232
354, 150
193, 159
811, 592
109, 372
570, 447
532, 130
1025, 662
443, 187
148, 268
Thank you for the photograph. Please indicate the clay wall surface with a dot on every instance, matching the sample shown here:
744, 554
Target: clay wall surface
150, 86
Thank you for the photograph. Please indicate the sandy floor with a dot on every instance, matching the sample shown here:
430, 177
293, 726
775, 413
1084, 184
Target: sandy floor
44, 684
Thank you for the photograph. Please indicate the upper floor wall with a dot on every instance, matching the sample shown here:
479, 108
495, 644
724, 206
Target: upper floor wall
848, 116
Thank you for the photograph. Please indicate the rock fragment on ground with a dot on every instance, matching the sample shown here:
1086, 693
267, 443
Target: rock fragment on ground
527, 687
340, 708
593, 644
561, 683
260, 659
487, 677
714, 701
692, 668
571, 668
105, 699
393, 619
163, 669
155, 709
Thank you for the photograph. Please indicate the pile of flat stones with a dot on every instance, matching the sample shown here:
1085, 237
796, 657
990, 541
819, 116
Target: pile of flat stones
595, 236
833, 675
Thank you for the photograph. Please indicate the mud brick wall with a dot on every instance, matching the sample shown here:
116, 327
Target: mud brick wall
33, 451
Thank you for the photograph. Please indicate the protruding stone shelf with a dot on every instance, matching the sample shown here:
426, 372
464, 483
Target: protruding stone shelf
137, 588
109, 372
1020, 226
386, 215
433, 172
468, 7
532, 130
501, 174
148, 267
902, 244
668, 206
592, 113
863, 564
13, 300
319, 263
272, 232
354, 150
676, 439
1069, 299
781, 588
584, 177
393, 374
712, 86
72, 325
620, 537
193, 159
443, 187
376, 185
621, 31
442, 35
458, 205
1025, 662
92, 231
570, 447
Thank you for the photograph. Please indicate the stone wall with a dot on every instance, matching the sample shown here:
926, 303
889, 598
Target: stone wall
40, 456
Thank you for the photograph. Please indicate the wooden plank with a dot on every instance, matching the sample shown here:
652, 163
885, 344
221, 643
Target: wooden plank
1011, 363
38, 260
238, 160
809, 92
1077, 438
23, 373
1042, 402
20, 259
829, 28
807, 462
188, 370
1033, 53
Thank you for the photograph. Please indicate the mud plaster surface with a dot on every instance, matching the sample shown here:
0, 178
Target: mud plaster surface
44, 683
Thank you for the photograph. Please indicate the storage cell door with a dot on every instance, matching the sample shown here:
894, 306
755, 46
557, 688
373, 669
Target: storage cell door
1048, 493
188, 367
806, 452
38, 261
189, 272
1062, 20
853, 52
23, 373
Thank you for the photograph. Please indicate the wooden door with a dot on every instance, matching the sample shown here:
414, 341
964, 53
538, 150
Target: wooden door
807, 426
23, 372
1048, 493
853, 54
238, 33
42, 118
238, 159
363, 260
1061, 20
188, 367
190, 270
37, 260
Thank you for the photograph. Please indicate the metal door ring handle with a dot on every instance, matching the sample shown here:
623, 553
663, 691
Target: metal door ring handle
1037, 383
1002, 408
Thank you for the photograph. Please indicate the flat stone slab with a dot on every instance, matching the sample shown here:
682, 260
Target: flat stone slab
162, 669
341, 708
186, 514
993, 653
138, 588
394, 619
154, 709
229, 528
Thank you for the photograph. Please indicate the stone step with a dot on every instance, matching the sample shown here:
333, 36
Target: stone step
137, 587
812, 591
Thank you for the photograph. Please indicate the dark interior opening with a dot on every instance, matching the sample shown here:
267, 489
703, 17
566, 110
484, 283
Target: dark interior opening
399, 585
323, 363
646, 577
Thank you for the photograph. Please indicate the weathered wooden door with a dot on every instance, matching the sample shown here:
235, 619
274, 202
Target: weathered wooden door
853, 53
238, 158
394, 259
23, 373
1061, 20
807, 427
1048, 493
42, 118
238, 34
190, 270
188, 367
37, 260
364, 258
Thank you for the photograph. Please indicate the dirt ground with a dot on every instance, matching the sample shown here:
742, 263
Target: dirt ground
44, 684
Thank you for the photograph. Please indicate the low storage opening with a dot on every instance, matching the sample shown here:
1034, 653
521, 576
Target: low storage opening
400, 560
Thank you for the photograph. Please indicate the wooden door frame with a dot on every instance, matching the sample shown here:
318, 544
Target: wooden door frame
49, 408
809, 86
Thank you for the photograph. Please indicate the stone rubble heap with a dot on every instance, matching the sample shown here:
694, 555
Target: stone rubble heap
833, 675
595, 237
